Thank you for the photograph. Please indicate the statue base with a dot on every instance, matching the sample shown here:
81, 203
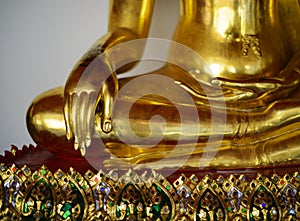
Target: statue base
38, 185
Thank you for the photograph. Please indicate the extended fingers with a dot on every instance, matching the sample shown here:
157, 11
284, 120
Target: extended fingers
80, 103
83, 119
90, 112
82, 136
86, 123
79, 109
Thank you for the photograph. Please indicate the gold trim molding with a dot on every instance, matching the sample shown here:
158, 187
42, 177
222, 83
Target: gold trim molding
46, 195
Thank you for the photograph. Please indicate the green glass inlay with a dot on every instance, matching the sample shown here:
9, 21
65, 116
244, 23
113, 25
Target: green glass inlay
156, 207
215, 186
133, 196
251, 216
25, 208
111, 204
43, 171
66, 207
229, 209
42, 181
118, 212
200, 187
261, 188
244, 210
66, 214
72, 185
158, 188
40, 192
84, 187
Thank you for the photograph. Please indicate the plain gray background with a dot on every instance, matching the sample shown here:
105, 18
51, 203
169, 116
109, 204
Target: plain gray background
40, 41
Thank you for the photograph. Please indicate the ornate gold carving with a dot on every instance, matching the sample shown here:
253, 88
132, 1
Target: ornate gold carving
44, 195
251, 42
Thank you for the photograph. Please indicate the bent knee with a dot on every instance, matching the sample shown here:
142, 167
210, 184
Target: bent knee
45, 114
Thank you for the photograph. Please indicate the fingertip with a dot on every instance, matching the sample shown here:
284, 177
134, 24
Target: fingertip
68, 135
83, 151
76, 145
88, 142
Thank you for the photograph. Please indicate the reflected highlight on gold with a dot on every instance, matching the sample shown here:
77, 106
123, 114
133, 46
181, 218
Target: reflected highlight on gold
251, 51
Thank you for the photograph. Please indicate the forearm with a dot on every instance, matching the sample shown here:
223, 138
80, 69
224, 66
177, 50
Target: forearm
134, 15
128, 20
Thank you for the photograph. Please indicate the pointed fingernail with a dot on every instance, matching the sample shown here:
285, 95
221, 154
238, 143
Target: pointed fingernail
76, 145
88, 142
83, 151
68, 135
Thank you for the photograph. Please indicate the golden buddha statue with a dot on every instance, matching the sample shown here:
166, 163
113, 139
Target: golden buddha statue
248, 100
